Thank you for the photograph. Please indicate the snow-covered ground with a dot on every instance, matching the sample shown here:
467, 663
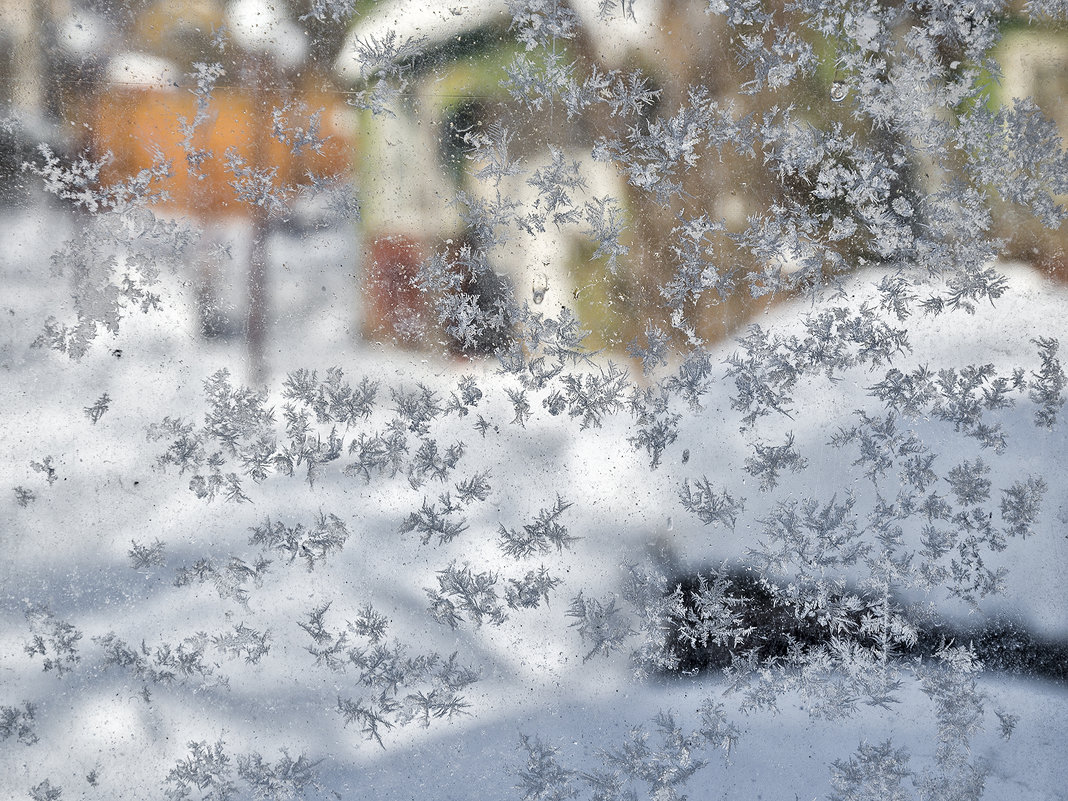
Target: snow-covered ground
68, 550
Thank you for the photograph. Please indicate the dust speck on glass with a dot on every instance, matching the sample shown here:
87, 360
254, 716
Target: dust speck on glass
533, 399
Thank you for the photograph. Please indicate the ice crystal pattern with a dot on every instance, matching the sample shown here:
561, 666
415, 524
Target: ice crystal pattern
822, 605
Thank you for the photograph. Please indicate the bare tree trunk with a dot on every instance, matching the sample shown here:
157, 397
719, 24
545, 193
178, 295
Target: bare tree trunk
257, 296
256, 321
25, 27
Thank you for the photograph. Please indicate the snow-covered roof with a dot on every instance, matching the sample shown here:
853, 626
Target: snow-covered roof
130, 68
416, 19
84, 34
613, 36
259, 25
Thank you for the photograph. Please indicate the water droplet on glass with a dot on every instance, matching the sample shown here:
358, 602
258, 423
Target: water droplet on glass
540, 287
838, 91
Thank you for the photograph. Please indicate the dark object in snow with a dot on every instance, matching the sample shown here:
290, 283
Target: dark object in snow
764, 624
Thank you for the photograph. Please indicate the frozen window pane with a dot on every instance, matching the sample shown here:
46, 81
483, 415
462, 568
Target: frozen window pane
532, 399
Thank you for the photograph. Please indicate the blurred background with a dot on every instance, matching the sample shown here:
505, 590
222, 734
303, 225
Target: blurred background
317, 160
320, 161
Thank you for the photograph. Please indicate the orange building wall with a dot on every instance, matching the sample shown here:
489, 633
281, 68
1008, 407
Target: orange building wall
132, 123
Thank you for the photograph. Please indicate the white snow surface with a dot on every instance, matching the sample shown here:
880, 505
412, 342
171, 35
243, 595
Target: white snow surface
68, 549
